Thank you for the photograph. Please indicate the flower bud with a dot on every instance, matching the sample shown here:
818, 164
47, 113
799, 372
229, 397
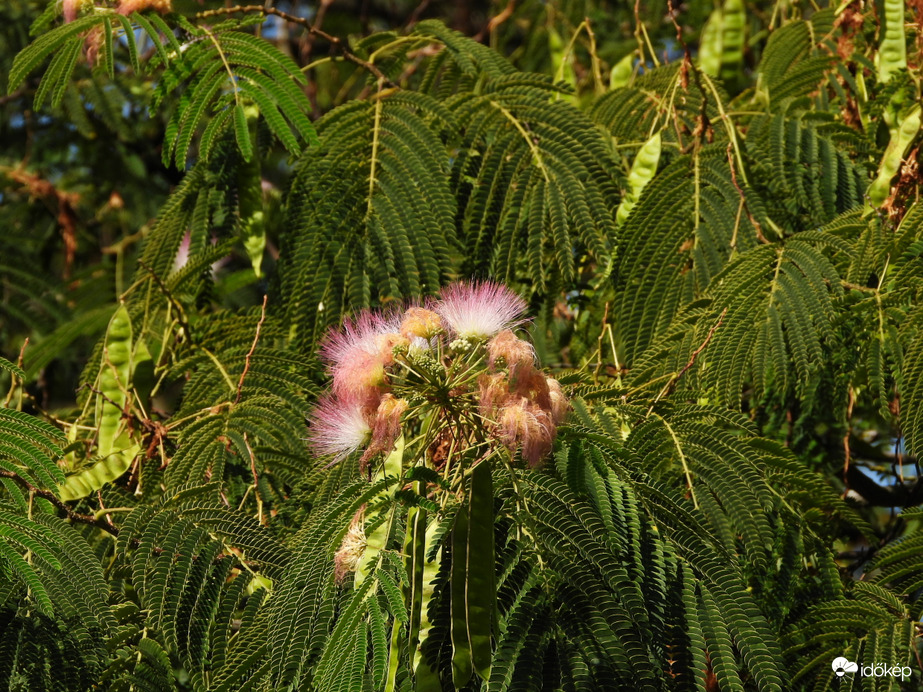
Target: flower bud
420, 323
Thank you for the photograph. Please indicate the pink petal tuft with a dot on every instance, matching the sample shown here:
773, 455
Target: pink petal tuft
338, 427
479, 310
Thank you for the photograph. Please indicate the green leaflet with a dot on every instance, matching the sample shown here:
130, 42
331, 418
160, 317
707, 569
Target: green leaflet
114, 444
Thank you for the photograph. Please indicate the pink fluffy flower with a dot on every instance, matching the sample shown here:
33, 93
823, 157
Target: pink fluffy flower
525, 425
358, 353
559, 404
126, 7
479, 310
386, 427
420, 323
338, 427
516, 354
71, 8
362, 333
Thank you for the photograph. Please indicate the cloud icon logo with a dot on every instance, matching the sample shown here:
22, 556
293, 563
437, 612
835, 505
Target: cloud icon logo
842, 665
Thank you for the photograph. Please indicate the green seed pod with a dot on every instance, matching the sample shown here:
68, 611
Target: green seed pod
562, 64
415, 556
114, 444
902, 138
892, 53
642, 172
710, 45
461, 647
733, 36
480, 597
425, 676
622, 72
379, 537
250, 205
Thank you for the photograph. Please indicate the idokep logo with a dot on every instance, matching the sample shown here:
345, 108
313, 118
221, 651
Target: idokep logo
842, 665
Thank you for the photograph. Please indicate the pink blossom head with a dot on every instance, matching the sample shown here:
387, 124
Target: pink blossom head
523, 424
493, 391
479, 310
386, 343
126, 7
358, 354
386, 426
70, 9
338, 427
516, 354
360, 333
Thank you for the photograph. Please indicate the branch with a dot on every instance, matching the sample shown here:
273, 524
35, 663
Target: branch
63, 509
907, 494
336, 42
668, 387
256, 337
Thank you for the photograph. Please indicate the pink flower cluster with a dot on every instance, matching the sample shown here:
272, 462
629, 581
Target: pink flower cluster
365, 406
71, 8
526, 405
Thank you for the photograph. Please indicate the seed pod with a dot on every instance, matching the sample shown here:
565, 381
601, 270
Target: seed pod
562, 64
710, 45
379, 537
902, 138
642, 172
480, 598
892, 53
622, 72
114, 444
733, 34
426, 678
250, 205
461, 647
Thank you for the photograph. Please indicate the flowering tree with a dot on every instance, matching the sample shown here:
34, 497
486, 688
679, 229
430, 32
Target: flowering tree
429, 346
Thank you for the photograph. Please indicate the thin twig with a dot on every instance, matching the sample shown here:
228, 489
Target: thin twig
318, 22
668, 387
9, 396
256, 338
180, 311
256, 480
65, 511
336, 42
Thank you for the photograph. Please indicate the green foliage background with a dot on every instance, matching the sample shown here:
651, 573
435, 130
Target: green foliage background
713, 213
